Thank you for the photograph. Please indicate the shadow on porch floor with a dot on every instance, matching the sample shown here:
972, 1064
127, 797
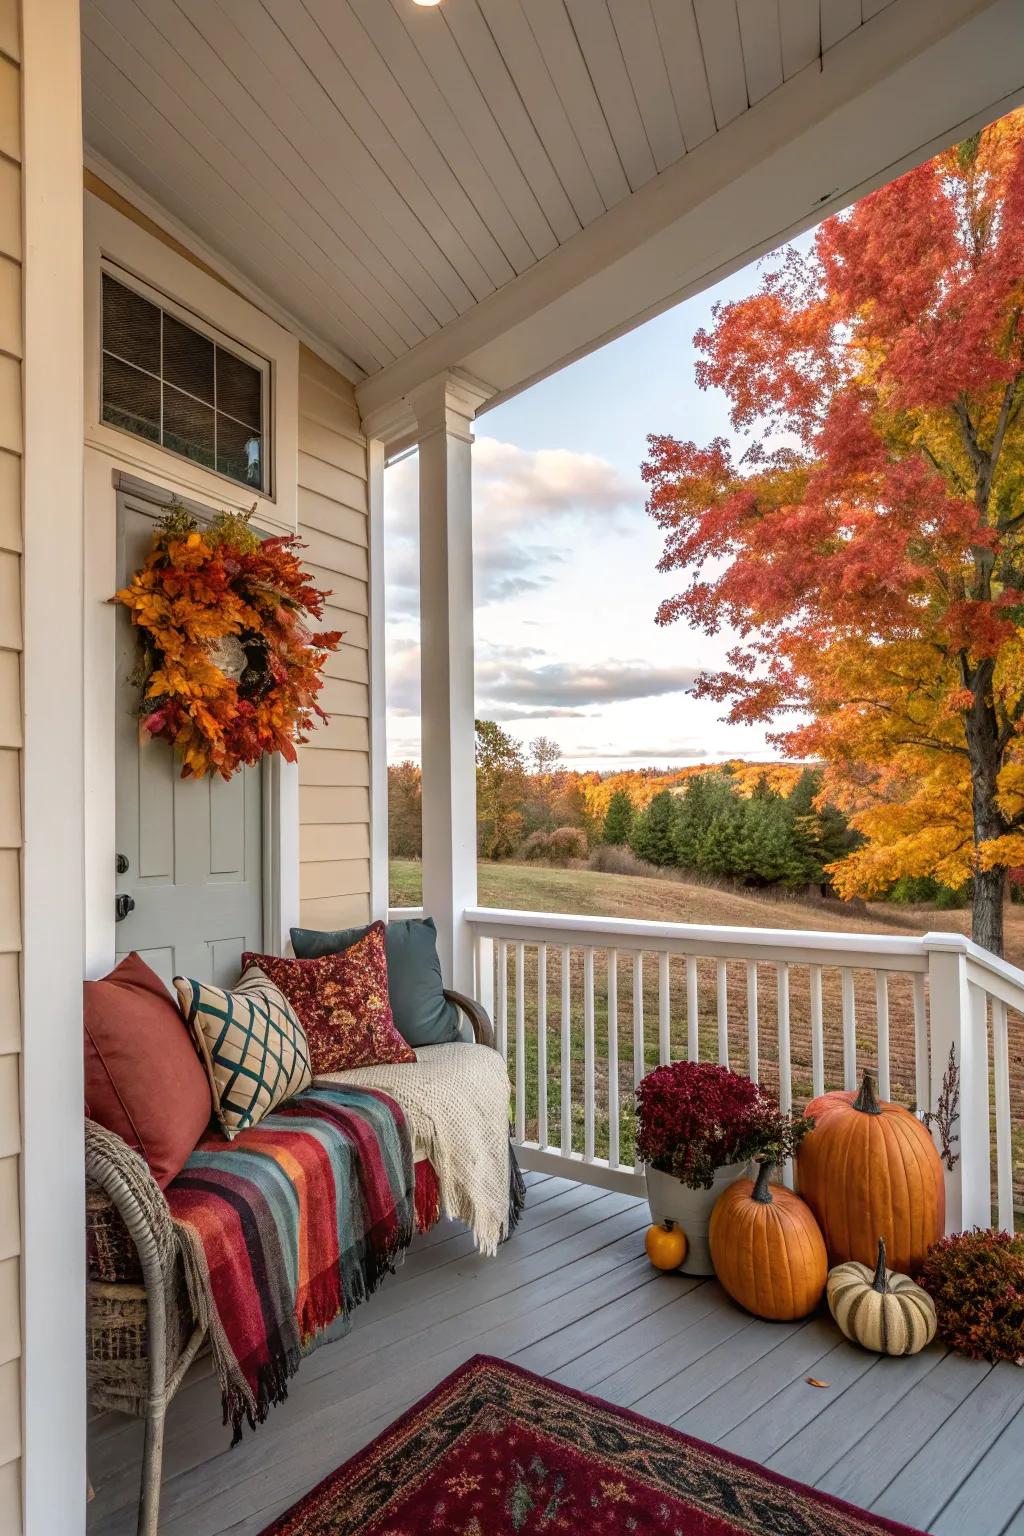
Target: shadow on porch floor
936, 1441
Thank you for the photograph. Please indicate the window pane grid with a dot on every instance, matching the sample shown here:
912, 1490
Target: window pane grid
193, 422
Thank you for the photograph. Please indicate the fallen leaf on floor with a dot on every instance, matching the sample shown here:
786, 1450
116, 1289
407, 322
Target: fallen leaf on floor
812, 1381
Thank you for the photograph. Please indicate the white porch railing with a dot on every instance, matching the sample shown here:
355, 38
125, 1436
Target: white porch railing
583, 1006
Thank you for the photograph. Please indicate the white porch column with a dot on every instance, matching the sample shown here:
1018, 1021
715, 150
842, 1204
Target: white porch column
958, 1024
444, 408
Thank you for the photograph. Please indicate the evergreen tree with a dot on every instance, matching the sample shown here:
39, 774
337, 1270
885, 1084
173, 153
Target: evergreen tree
618, 821
707, 795
769, 853
653, 836
822, 834
718, 848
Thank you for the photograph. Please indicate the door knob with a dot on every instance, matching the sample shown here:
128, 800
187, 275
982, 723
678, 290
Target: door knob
121, 863
122, 906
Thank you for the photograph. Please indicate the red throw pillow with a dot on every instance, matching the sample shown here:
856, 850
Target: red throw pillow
342, 1003
143, 1078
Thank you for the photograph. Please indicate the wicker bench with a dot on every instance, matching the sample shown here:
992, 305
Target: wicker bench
140, 1331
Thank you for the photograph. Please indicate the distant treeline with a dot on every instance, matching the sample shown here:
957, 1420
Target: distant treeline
756, 824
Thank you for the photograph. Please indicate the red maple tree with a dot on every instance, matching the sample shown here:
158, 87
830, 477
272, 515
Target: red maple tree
865, 542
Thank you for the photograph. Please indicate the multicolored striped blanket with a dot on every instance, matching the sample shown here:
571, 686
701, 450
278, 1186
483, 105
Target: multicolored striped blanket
286, 1228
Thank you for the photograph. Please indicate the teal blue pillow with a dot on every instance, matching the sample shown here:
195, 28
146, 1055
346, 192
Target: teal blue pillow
422, 1013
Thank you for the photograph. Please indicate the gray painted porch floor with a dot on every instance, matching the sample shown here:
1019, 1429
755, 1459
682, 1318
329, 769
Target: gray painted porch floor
936, 1441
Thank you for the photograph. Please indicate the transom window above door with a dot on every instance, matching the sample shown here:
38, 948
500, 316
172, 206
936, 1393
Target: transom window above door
176, 382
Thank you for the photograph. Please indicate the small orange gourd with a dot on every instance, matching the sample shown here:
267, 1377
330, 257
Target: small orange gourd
767, 1249
666, 1245
869, 1169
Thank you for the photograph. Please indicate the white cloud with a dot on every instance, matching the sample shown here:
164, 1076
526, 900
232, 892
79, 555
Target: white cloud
528, 510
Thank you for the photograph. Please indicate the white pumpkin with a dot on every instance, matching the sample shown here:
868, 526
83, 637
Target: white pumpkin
882, 1311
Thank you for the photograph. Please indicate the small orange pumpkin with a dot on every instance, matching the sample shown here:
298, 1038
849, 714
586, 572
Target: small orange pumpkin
767, 1249
666, 1245
869, 1169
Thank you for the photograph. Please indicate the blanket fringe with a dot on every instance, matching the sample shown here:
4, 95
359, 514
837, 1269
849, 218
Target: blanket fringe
516, 1192
239, 1404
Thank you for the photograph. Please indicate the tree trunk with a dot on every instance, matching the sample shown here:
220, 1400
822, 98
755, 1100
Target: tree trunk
987, 917
982, 731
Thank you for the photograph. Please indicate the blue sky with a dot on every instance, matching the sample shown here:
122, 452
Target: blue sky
565, 562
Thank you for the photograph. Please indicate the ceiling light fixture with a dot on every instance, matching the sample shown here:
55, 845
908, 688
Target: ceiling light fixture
426, 2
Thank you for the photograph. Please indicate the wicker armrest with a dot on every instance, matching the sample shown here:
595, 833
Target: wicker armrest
128, 1189
483, 1029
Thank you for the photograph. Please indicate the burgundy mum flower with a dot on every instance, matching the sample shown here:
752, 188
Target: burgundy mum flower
695, 1116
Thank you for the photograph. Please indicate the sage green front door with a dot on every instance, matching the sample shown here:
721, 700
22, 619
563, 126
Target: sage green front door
189, 851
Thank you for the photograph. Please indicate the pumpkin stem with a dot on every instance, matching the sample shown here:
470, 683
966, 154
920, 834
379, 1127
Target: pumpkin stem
668, 1223
867, 1100
880, 1283
761, 1191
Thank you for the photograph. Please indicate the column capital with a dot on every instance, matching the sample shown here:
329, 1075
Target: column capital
447, 402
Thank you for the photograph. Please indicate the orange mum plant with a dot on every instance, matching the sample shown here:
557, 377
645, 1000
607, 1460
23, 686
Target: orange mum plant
230, 668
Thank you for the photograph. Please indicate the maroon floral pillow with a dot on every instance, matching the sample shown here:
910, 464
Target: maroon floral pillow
342, 1003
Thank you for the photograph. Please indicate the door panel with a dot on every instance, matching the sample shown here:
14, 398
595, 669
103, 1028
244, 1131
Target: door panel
194, 847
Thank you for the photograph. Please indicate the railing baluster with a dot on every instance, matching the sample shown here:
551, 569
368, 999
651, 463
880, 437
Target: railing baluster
722, 1006
542, 1045
849, 1033
485, 975
613, 1057
692, 1011
501, 1010
882, 1018
664, 1010
588, 1054
785, 1064
1004, 1143
753, 1048
817, 1034
520, 1043
922, 1053
566, 1060
638, 1025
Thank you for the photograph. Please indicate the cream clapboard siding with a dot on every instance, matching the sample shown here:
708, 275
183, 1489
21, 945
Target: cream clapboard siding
10, 762
334, 769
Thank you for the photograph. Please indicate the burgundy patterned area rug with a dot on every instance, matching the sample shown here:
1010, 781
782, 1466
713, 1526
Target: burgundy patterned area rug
497, 1451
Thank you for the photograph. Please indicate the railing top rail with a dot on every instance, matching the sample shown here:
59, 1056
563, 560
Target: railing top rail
705, 938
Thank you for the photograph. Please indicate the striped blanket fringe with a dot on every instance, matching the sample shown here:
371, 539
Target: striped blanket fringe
286, 1228
516, 1191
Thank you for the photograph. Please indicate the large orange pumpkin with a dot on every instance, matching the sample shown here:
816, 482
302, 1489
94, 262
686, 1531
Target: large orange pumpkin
767, 1249
869, 1169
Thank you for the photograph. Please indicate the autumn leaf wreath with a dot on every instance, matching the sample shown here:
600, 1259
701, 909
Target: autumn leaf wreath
229, 666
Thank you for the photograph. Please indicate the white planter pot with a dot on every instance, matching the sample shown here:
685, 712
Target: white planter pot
671, 1200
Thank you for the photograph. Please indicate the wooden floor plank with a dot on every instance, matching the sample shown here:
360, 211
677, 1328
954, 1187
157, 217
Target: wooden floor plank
764, 1431
611, 1365
741, 1396
871, 1463
997, 1484
932, 1477
703, 1369
812, 1451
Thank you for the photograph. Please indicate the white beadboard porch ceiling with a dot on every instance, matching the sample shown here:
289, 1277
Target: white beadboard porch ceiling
501, 185
381, 168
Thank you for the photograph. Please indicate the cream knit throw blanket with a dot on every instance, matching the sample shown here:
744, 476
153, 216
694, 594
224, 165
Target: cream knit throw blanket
455, 1098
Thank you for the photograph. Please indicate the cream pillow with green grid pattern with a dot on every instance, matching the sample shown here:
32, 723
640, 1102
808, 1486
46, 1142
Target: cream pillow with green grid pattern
251, 1044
